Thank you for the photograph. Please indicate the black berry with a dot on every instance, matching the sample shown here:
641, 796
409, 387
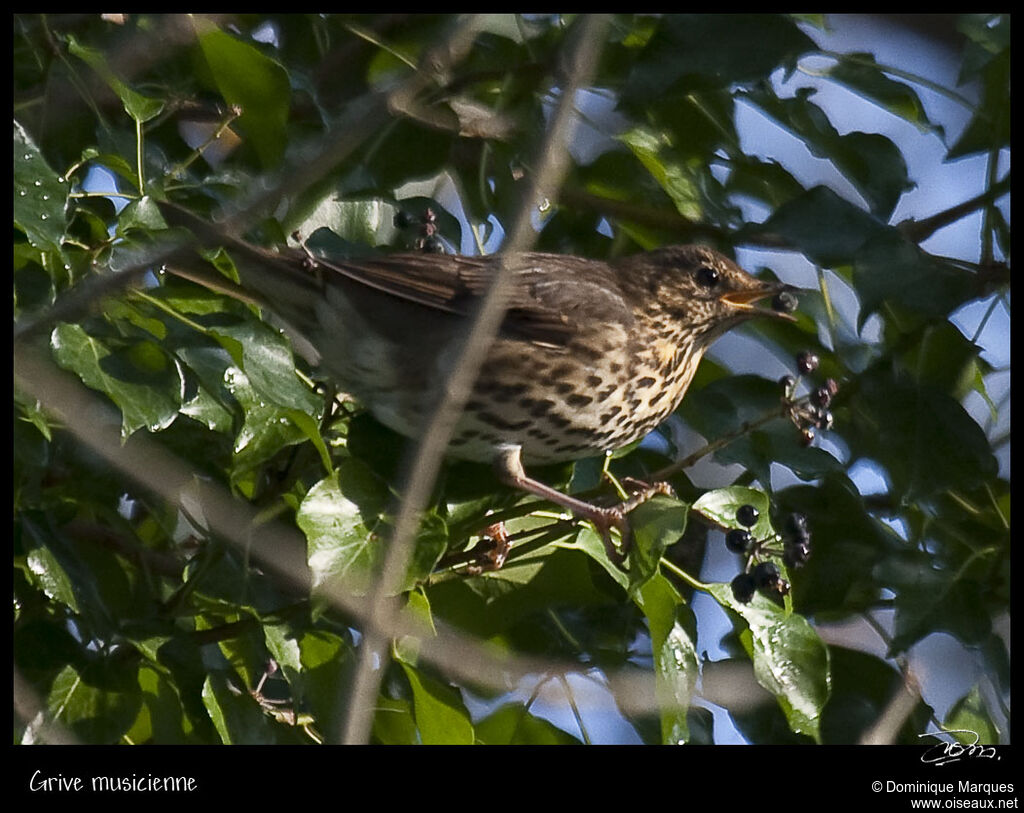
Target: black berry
807, 436
821, 397
787, 382
806, 362
743, 587
403, 219
747, 515
765, 575
823, 419
784, 302
433, 245
738, 540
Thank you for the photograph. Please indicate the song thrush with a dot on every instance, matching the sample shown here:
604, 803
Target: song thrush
591, 355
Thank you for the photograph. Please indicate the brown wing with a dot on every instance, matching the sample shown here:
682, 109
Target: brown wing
552, 294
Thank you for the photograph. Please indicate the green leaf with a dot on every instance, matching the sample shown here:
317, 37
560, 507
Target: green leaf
675, 177
512, 724
265, 356
430, 545
714, 50
842, 530
49, 575
726, 404
871, 162
673, 629
889, 268
970, 722
342, 541
236, 715
364, 222
863, 687
986, 58
283, 646
98, 703
790, 660
927, 439
267, 428
138, 378
590, 542
945, 359
490, 605
140, 108
828, 229
40, 195
440, 715
720, 505
766, 181
162, 718
861, 73
326, 664
256, 84
656, 524
929, 599
394, 724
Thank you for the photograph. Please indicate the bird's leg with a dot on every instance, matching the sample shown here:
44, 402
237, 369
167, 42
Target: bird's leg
510, 470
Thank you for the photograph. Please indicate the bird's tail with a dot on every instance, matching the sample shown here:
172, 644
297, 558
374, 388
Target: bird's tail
272, 279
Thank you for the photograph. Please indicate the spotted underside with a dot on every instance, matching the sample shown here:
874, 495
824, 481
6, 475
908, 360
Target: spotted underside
594, 398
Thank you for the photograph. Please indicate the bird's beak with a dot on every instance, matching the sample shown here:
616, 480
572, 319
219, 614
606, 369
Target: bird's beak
783, 300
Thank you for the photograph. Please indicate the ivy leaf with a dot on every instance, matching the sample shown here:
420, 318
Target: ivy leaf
970, 722
342, 538
146, 386
889, 268
656, 524
256, 84
871, 162
673, 629
714, 50
861, 73
140, 108
40, 195
441, 717
824, 226
790, 660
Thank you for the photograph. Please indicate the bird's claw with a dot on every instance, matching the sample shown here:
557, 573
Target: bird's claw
604, 519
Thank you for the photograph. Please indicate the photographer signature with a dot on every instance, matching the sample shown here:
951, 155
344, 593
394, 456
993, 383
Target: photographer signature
946, 753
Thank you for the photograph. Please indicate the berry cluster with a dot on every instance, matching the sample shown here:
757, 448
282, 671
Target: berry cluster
428, 241
760, 572
811, 411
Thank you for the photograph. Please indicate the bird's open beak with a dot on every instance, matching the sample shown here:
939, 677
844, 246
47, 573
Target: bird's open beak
783, 297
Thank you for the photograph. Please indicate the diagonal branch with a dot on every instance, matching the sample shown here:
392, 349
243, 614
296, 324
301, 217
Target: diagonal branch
551, 168
918, 230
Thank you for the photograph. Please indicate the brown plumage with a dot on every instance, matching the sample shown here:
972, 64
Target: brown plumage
591, 355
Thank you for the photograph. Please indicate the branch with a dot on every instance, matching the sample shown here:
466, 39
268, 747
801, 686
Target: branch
918, 230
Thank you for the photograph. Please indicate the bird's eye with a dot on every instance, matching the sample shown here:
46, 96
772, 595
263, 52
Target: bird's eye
707, 276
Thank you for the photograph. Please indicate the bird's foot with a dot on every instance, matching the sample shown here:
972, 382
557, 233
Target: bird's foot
510, 470
492, 550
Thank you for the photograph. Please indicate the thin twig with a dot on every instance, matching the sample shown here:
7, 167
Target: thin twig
919, 230
551, 167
